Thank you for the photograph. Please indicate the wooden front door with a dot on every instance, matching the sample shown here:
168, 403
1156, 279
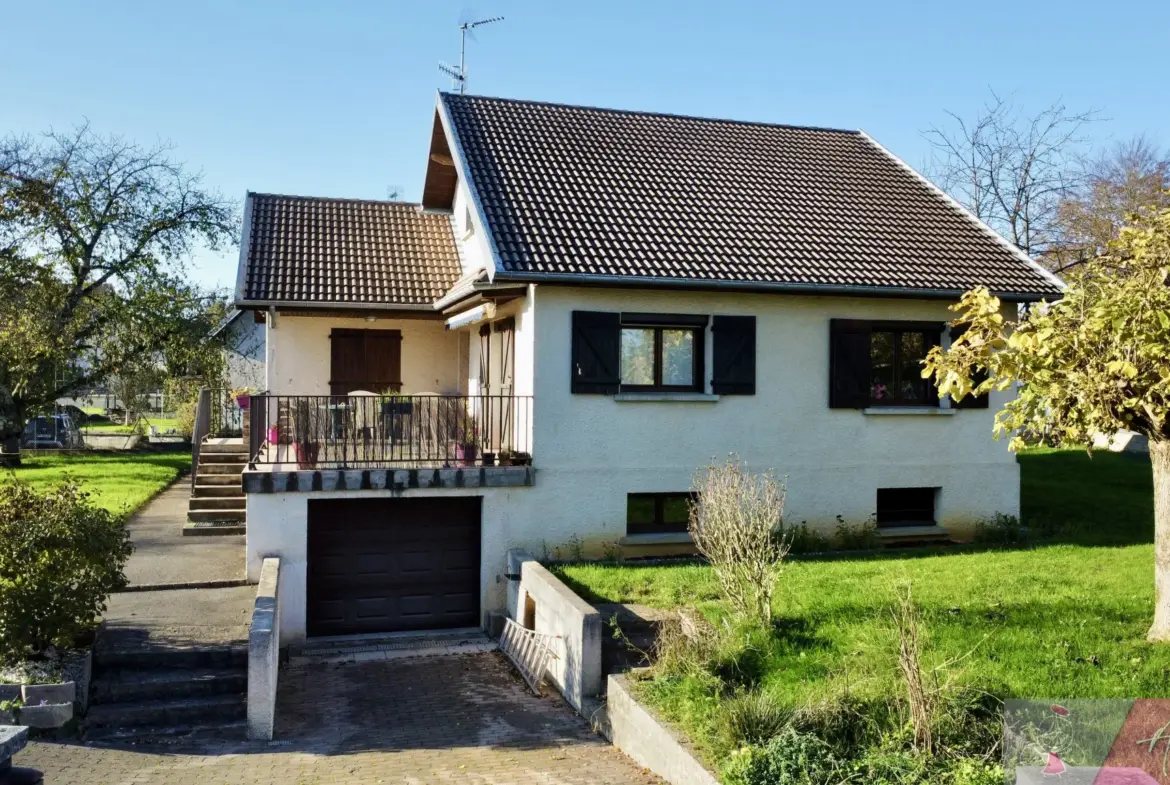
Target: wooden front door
365, 360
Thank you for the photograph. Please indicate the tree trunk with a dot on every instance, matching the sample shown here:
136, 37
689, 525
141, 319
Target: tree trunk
11, 430
1160, 460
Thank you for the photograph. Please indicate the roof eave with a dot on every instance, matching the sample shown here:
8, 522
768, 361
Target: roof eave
775, 287
253, 305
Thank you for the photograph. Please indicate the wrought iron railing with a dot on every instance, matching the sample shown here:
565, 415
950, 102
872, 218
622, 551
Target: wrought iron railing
387, 430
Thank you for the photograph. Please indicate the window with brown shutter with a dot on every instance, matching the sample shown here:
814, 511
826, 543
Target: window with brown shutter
733, 355
365, 360
880, 363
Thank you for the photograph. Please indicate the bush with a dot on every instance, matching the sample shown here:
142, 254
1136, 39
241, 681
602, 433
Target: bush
751, 718
1001, 530
857, 537
60, 558
792, 758
737, 523
802, 539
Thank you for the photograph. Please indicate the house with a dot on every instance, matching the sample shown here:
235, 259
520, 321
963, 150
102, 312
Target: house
587, 306
243, 339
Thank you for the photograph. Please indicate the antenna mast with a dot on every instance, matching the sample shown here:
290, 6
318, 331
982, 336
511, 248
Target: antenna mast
459, 75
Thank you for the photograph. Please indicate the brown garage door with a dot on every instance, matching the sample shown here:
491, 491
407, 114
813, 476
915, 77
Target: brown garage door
385, 565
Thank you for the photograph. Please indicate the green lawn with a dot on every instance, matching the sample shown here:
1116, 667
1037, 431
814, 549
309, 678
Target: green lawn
118, 481
163, 424
1066, 619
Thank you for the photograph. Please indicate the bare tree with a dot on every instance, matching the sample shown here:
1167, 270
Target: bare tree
1130, 176
1012, 169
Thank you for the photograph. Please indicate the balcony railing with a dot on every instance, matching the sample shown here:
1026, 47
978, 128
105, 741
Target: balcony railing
364, 430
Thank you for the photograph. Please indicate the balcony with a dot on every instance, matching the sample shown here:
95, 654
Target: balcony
373, 441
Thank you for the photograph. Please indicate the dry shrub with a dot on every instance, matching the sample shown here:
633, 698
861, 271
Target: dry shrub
736, 524
922, 692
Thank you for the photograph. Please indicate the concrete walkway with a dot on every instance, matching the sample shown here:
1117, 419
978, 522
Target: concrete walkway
163, 555
455, 719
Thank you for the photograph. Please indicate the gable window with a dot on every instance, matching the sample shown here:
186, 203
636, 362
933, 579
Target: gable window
658, 513
880, 363
906, 506
895, 361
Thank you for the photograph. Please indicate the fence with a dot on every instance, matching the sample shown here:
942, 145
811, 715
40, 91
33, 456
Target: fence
362, 429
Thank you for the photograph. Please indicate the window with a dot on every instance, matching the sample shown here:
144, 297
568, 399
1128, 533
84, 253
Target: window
659, 355
658, 513
905, 506
880, 363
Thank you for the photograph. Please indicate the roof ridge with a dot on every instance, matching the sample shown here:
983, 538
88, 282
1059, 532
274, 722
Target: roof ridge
302, 197
645, 113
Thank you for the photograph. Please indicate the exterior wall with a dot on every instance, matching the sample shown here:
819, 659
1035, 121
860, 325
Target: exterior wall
298, 354
473, 245
590, 450
278, 525
244, 347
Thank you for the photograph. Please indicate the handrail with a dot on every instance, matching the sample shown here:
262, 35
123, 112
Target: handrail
199, 432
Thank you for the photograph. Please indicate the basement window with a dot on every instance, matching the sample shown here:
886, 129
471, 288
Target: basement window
906, 506
658, 513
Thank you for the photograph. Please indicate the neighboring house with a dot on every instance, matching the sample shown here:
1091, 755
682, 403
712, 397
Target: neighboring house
606, 301
243, 350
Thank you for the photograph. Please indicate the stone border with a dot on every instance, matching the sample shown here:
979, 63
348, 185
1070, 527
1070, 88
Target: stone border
226, 583
264, 653
387, 479
637, 732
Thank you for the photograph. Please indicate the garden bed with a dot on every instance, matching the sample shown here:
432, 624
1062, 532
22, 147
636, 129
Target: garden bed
1065, 618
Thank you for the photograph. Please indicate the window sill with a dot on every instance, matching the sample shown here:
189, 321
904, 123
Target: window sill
928, 411
665, 538
665, 397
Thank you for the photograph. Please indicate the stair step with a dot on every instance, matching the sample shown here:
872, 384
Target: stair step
234, 730
108, 660
130, 685
236, 503
175, 711
223, 457
214, 528
209, 480
219, 491
236, 468
217, 516
234, 447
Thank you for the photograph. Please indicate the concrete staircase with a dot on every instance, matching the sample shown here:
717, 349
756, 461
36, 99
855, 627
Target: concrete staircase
177, 692
217, 499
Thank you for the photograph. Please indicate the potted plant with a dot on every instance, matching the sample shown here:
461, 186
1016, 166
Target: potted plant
273, 434
466, 440
306, 422
242, 396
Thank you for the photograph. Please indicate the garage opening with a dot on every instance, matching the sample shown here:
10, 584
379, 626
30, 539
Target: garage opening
392, 565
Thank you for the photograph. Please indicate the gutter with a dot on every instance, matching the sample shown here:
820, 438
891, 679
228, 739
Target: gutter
332, 306
649, 282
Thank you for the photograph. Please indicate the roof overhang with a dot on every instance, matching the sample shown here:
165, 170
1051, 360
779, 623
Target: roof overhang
759, 287
385, 310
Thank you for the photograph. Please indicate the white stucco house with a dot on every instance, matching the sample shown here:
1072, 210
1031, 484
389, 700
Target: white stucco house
243, 339
587, 306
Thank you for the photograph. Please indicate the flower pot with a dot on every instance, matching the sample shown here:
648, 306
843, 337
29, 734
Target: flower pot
306, 454
244, 401
488, 459
466, 453
273, 435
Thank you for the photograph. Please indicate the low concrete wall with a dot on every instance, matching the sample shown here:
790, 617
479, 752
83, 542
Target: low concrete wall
264, 653
540, 602
111, 441
631, 728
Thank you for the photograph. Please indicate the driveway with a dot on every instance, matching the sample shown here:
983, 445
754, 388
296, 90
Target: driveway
461, 718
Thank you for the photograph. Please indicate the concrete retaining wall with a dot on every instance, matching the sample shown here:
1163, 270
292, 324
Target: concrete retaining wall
264, 653
540, 602
631, 728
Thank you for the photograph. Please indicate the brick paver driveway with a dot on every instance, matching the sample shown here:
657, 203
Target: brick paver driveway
465, 719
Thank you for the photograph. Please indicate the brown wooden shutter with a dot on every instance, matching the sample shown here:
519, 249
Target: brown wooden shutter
364, 360
971, 401
596, 352
849, 364
734, 355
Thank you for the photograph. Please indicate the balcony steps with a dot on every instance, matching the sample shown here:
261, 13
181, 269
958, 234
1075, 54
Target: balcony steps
218, 505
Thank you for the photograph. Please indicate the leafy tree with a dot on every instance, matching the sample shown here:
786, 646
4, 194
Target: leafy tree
93, 235
1094, 362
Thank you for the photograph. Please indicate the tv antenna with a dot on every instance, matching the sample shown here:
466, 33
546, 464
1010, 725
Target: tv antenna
459, 75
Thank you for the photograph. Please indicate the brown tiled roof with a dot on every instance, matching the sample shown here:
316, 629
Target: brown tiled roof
575, 190
313, 250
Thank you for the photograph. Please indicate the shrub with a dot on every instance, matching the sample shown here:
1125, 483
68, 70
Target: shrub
1001, 529
792, 757
736, 523
751, 718
802, 539
857, 537
60, 558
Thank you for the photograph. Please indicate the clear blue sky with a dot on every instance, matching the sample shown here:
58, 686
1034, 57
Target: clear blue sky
336, 98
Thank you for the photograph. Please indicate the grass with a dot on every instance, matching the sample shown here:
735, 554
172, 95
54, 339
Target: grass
1066, 619
118, 482
163, 424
